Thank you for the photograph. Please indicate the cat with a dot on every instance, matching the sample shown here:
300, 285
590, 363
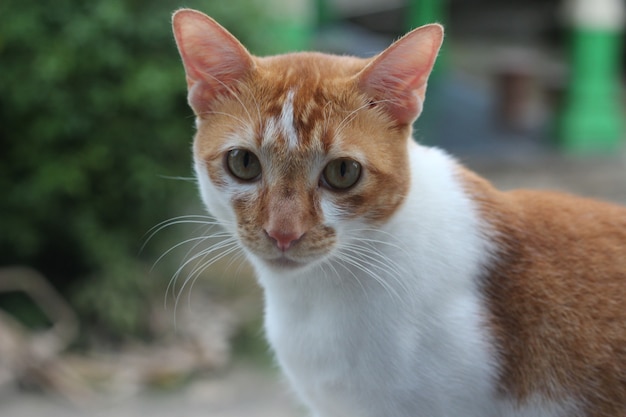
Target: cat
398, 283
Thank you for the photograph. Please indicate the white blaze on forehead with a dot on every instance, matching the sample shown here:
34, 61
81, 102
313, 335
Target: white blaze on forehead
270, 130
286, 121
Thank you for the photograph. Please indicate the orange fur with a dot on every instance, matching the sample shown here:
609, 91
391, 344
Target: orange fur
556, 295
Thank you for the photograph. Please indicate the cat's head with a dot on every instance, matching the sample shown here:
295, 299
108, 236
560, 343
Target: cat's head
298, 154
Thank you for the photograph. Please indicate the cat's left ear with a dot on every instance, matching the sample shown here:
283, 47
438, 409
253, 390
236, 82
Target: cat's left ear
396, 79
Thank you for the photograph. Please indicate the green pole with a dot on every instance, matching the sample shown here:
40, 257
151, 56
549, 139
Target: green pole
428, 125
422, 12
324, 12
591, 121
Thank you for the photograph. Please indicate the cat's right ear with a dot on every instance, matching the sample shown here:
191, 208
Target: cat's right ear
214, 60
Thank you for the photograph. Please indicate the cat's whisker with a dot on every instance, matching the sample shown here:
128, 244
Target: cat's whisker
346, 120
224, 242
355, 276
238, 257
177, 245
186, 219
233, 92
344, 123
205, 221
179, 178
379, 266
231, 246
358, 264
219, 235
326, 118
200, 240
383, 261
232, 116
385, 239
375, 243
254, 98
378, 262
361, 261
203, 253
201, 269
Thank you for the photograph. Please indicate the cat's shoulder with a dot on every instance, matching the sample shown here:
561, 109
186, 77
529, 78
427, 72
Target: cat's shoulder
545, 205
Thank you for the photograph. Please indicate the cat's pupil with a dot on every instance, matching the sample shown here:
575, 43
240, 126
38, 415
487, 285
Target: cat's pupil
343, 169
246, 159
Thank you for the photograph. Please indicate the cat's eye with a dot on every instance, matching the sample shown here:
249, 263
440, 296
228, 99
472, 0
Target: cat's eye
342, 173
243, 164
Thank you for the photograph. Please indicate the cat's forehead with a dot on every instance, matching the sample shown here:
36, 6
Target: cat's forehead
305, 81
296, 120
316, 67
302, 98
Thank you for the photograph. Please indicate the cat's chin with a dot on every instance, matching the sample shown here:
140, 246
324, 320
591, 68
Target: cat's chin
284, 263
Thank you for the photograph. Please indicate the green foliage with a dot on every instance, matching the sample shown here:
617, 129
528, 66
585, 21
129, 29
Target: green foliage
93, 117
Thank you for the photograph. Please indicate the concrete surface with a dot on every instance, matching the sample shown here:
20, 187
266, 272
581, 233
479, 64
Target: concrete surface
240, 391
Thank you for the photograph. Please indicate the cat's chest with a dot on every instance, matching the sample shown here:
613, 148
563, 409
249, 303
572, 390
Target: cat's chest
373, 354
308, 332
330, 351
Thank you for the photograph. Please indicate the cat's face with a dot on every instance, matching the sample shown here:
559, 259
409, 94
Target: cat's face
298, 155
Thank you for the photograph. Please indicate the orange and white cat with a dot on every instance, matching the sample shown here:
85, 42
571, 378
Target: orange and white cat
397, 283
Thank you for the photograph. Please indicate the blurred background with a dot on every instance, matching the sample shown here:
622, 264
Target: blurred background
106, 308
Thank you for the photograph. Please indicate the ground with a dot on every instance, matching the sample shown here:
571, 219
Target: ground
243, 389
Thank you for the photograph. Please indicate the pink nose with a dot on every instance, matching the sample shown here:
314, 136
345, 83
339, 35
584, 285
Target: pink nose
284, 239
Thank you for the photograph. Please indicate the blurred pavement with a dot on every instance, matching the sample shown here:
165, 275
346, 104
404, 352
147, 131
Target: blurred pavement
239, 391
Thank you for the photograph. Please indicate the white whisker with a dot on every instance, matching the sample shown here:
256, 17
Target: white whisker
361, 264
198, 270
353, 114
355, 276
234, 94
187, 179
377, 259
200, 239
202, 254
187, 219
232, 116
193, 277
256, 102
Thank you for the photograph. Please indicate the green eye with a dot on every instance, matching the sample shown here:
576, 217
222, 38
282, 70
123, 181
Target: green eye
342, 173
243, 164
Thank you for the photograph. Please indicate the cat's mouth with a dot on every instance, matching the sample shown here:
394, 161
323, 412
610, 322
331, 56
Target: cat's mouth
284, 263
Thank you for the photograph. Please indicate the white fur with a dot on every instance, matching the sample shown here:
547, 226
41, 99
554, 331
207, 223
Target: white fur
404, 335
286, 121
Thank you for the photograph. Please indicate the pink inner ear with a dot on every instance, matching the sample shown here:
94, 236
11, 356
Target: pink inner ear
213, 58
397, 77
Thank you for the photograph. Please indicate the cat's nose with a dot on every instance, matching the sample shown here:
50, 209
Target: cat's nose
284, 239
